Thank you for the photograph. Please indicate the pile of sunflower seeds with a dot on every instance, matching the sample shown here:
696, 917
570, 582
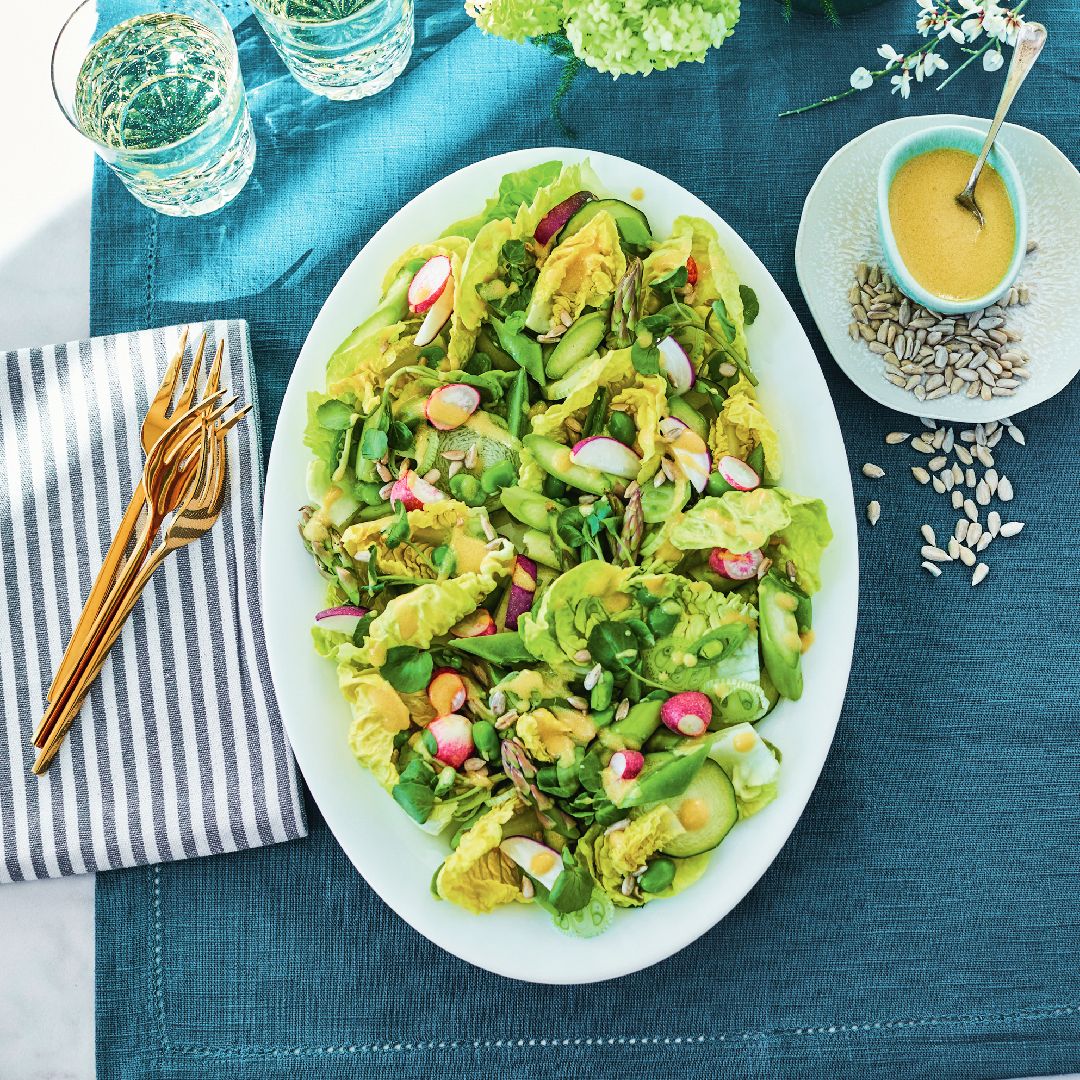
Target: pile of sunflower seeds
935, 355
964, 468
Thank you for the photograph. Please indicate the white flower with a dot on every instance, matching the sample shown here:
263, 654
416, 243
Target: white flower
887, 52
930, 20
992, 60
927, 64
861, 79
1011, 21
902, 82
951, 30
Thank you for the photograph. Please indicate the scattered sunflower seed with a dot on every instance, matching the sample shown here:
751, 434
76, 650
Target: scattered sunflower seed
932, 568
875, 472
993, 522
957, 499
920, 474
984, 542
593, 677
528, 890
1016, 435
980, 573
928, 535
1005, 489
963, 454
895, 437
960, 531
922, 446
1011, 528
935, 554
967, 556
578, 703
971, 510
873, 513
939, 485
982, 493
954, 548
975, 531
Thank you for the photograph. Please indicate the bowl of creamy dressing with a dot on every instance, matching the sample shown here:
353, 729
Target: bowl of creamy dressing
936, 250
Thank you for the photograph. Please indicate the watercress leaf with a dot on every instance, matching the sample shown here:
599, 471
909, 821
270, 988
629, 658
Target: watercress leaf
399, 436
750, 304
571, 892
677, 279
589, 772
417, 800
641, 632
407, 669
727, 327
646, 361
613, 643
335, 415
374, 444
432, 355
362, 628
398, 530
515, 253
419, 771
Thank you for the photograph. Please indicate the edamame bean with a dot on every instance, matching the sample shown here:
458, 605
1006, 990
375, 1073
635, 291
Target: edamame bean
498, 476
371, 494
467, 488
658, 877
621, 427
553, 487
716, 484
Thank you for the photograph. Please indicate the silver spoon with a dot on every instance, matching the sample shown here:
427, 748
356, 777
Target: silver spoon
1030, 40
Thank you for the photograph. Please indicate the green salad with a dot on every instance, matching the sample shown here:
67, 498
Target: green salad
565, 582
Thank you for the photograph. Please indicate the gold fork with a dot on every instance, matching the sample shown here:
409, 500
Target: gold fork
162, 486
196, 518
193, 520
159, 416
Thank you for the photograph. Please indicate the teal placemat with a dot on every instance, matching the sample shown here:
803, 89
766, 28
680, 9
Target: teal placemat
924, 919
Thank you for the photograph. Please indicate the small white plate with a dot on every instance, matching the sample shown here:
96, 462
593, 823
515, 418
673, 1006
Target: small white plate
396, 857
838, 230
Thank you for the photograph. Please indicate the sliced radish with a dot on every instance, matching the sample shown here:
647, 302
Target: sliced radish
737, 473
522, 591
436, 317
448, 407
688, 713
626, 764
478, 624
691, 271
735, 567
537, 860
429, 283
446, 691
559, 215
689, 451
608, 455
676, 365
453, 739
342, 620
414, 492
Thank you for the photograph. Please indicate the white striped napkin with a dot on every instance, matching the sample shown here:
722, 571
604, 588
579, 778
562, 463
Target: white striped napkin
179, 749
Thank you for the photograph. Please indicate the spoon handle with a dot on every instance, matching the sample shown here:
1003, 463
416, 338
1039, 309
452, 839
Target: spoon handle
1030, 40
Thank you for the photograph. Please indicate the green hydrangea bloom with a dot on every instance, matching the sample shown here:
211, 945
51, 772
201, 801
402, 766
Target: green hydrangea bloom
516, 20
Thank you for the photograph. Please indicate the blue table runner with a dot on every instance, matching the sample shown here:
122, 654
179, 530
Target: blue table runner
924, 918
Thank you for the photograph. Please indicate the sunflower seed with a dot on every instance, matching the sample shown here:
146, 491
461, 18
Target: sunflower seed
504, 721
948, 441
453, 455
939, 485
971, 510
967, 556
953, 547
928, 534
875, 472
932, 569
920, 474
873, 511
576, 702
455, 468
935, 554
960, 530
1016, 435
922, 446
963, 454
593, 677
980, 573
1005, 489
984, 456
936, 463
969, 478
622, 710
957, 498
474, 764
947, 480
984, 542
470, 457
384, 473
1011, 528
617, 826
993, 522
895, 437
975, 531
628, 885
982, 493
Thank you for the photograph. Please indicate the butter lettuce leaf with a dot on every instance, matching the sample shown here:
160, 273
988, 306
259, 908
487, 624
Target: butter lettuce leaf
804, 539
481, 265
552, 734
751, 765
742, 425
378, 715
419, 616
476, 876
737, 520
575, 393
581, 272
516, 189
571, 179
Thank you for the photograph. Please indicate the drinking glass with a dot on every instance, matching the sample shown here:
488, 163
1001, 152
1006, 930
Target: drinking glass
342, 49
156, 87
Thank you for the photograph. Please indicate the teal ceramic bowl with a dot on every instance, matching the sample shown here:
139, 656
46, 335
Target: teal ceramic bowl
952, 137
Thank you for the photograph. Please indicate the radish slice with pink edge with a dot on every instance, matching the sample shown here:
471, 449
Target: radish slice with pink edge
626, 764
608, 455
737, 473
453, 739
553, 221
446, 691
688, 713
676, 365
735, 567
449, 406
689, 451
429, 283
436, 317
414, 492
522, 591
341, 620
537, 860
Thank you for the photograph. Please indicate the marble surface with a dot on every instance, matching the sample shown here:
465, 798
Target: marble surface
46, 927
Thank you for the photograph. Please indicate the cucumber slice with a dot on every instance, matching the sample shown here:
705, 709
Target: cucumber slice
632, 224
707, 809
554, 458
660, 503
781, 646
579, 341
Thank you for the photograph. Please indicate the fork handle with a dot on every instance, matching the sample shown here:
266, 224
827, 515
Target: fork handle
60, 721
103, 583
